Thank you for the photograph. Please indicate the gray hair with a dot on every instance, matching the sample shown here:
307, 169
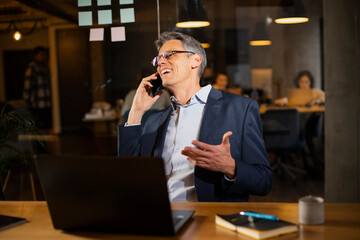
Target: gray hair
189, 43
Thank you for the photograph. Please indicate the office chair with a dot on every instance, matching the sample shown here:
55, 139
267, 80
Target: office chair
313, 131
283, 137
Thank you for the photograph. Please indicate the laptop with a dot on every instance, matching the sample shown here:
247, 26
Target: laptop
300, 97
109, 194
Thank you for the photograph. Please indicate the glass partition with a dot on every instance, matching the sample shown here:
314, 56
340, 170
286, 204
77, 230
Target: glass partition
100, 50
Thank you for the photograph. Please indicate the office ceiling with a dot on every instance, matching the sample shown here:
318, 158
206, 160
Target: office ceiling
67, 9
26, 14
60, 11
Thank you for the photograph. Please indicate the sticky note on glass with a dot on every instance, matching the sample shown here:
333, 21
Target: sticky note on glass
84, 3
117, 34
103, 2
85, 18
96, 34
127, 15
123, 2
104, 17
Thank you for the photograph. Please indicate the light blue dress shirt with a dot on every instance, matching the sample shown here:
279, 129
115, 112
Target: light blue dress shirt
184, 127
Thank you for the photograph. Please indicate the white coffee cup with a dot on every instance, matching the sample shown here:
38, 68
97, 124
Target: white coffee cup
311, 210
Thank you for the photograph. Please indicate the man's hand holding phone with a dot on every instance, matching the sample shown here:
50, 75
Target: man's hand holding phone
144, 98
157, 86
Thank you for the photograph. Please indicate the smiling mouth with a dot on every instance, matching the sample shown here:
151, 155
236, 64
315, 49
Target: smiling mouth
165, 71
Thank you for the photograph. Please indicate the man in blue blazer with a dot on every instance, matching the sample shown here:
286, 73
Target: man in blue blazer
211, 142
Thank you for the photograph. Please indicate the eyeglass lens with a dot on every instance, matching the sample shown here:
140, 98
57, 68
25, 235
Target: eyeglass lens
165, 55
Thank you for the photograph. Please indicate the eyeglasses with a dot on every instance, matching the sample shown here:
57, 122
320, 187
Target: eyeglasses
166, 55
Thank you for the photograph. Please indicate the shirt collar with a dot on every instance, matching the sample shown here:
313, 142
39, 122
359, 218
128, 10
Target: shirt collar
200, 97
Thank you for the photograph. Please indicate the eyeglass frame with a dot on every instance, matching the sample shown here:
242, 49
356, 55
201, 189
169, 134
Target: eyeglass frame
165, 55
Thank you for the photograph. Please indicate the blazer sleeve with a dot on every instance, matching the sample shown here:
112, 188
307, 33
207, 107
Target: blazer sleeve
254, 174
129, 140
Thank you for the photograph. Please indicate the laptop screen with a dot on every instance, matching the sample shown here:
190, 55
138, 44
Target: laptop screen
300, 97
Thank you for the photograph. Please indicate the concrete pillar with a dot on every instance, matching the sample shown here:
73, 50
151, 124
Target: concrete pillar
342, 88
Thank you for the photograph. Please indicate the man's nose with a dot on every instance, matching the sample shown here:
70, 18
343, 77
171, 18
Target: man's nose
162, 60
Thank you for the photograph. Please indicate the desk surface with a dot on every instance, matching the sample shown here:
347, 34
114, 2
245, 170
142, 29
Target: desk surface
303, 109
342, 221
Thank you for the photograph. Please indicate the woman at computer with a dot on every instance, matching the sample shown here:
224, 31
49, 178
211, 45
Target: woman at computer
313, 123
305, 80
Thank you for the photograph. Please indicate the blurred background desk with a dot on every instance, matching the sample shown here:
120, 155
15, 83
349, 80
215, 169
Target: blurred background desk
341, 222
301, 109
102, 126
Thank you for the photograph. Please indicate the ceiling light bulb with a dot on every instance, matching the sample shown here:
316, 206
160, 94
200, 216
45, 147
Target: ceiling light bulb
17, 36
291, 20
205, 45
193, 24
260, 43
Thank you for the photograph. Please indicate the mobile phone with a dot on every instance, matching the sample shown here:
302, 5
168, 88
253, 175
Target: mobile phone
157, 86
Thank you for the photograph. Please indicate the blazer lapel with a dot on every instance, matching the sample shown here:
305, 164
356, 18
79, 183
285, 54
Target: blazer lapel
211, 113
161, 133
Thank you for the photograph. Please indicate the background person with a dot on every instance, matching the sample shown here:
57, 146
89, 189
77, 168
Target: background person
311, 124
224, 83
37, 91
221, 82
304, 80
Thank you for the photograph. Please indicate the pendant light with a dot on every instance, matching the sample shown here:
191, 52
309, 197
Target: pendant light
192, 15
17, 36
260, 36
291, 12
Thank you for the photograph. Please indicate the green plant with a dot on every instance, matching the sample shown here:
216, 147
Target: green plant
12, 124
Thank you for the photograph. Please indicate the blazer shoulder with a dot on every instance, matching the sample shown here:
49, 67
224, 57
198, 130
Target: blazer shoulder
238, 98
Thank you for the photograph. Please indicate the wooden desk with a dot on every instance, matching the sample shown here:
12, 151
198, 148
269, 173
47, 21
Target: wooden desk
342, 221
312, 109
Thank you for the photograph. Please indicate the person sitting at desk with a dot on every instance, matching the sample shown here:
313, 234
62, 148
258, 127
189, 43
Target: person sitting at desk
304, 80
224, 83
312, 125
211, 142
221, 82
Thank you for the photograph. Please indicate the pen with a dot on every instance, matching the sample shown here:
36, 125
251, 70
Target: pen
260, 215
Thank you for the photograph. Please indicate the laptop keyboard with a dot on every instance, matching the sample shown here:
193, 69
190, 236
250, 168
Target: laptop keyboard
176, 219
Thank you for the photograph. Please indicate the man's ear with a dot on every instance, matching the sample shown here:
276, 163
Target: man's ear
196, 61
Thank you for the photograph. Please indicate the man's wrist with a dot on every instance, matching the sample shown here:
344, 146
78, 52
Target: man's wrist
135, 117
231, 175
130, 125
229, 179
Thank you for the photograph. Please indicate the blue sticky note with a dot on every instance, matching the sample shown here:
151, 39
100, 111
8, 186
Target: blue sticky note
84, 3
123, 2
104, 17
85, 18
103, 2
127, 15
